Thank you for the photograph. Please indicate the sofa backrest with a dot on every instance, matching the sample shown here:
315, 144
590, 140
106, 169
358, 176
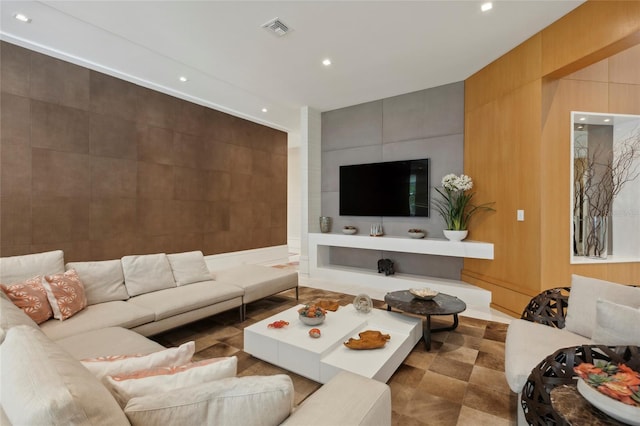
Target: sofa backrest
147, 273
189, 268
19, 268
103, 281
585, 292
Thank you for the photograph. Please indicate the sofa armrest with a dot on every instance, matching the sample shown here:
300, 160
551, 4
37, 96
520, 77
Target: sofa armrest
549, 307
347, 399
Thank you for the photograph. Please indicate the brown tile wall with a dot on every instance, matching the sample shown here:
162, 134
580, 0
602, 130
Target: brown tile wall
102, 168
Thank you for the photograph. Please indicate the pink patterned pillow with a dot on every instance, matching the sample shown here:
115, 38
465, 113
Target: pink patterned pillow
65, 293
31, 297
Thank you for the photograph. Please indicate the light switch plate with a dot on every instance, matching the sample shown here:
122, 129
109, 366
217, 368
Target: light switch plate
520, 215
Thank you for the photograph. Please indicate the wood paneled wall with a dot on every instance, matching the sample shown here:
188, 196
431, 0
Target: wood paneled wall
103, 168
517, 145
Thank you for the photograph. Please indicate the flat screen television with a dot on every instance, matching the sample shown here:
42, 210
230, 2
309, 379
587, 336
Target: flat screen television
394, 188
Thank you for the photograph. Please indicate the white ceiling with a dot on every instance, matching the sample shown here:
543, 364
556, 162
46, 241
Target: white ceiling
378, 48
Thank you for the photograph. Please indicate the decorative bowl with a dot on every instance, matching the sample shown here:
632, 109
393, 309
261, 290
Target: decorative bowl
312, 320
349, 230
416, 233
363, 303
423, 293
616, 409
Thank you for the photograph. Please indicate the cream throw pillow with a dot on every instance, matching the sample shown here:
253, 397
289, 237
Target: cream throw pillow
616, 325
252, 400
123, 364
164, 379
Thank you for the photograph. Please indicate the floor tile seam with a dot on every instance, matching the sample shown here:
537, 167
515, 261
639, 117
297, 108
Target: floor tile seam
463, 382
482, 408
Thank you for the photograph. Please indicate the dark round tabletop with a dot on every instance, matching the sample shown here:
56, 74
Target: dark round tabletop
442, 304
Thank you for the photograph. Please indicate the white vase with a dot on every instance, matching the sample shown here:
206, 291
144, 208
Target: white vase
455, 235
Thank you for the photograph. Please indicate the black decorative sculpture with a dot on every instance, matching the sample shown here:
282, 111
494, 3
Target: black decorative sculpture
386, 266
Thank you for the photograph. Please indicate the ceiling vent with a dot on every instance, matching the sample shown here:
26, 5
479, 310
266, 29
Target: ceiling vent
277, 27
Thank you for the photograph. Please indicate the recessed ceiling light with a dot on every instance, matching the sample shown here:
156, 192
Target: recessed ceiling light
264, 110
486, 6
22, 17
326, 62
183, 79
606, 120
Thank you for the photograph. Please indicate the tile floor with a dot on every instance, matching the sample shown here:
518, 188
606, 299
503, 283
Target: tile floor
459, 382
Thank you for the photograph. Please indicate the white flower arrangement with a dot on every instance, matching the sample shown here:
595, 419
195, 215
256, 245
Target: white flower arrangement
452, 182
455, 207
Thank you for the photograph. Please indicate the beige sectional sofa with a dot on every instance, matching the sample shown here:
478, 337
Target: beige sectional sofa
40, 367
149, 293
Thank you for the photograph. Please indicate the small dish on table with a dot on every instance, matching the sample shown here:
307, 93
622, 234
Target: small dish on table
349, 230
423, 293
416, 233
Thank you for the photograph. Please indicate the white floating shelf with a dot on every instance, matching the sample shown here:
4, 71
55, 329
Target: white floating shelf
433, 246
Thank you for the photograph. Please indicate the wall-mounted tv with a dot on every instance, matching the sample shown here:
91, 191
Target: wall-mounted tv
394, 188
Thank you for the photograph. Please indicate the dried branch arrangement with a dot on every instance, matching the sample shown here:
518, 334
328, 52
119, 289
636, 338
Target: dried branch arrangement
598, 179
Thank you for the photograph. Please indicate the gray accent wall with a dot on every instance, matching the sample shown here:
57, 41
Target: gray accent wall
424, 124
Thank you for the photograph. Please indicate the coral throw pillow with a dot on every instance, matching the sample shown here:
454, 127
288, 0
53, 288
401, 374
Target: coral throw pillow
31, 297
65, 293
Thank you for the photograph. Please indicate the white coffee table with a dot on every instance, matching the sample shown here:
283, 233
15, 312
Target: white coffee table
320, 359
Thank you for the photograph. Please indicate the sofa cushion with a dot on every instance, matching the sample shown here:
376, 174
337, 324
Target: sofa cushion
107, 341
109, 314
581, 312
258, 281
232, 401
372, 406
65, 293
164, 379
528, 343
111, 365
19, 268
49, 387
616, 325
103, 281
31, 297
147, 273
174, 301
189, 267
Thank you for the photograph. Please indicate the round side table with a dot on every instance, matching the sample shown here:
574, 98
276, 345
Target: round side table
442, 304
